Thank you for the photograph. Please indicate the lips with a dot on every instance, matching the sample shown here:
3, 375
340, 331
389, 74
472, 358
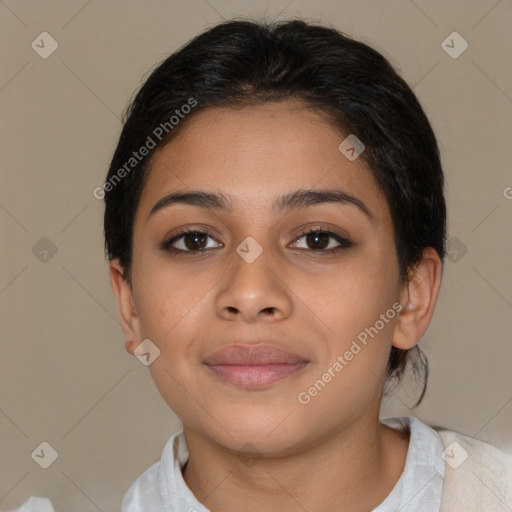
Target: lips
254, 366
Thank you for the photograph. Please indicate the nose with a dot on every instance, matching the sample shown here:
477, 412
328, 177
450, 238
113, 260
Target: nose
254, 291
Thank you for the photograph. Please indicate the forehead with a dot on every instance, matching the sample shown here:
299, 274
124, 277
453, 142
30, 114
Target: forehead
254, 154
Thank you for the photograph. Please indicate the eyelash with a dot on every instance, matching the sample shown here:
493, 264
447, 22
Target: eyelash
344, 243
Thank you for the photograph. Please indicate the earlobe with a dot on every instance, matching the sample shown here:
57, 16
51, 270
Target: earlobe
418, 298
128, 314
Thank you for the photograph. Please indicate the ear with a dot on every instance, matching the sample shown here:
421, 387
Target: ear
127, 312
418, 298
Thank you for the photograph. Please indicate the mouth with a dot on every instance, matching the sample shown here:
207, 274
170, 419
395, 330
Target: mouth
254, 366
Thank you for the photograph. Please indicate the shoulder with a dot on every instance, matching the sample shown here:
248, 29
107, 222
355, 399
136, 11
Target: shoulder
478, 474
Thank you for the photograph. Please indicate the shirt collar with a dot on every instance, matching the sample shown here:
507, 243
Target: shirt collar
420, 485
418, 489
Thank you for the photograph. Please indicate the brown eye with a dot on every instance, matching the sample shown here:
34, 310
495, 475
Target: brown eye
195, 240
317, 240
189, 241
323, 241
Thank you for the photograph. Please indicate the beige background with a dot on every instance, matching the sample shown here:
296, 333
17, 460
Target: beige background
66, 378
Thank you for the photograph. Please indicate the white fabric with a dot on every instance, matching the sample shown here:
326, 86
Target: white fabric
420, 486
483, 483
36, 504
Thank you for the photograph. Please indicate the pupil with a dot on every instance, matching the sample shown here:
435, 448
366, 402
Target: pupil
312, 239
197, 240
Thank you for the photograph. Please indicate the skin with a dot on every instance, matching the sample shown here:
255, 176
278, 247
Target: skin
331, 454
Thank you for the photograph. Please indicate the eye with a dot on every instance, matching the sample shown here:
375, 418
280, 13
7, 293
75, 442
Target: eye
324, 241
191, 240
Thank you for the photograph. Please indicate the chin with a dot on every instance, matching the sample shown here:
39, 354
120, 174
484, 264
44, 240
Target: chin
273, 433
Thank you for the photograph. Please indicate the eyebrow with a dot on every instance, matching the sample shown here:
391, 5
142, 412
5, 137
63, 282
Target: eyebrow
284, 203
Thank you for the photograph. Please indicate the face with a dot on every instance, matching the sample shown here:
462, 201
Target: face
248, 274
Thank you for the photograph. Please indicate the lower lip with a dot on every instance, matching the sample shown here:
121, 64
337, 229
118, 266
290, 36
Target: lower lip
255, 376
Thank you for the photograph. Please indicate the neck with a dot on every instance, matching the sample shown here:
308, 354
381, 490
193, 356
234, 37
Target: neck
352, 469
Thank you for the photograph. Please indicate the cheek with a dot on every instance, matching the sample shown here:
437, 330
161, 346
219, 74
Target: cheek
167, 296
355, 294
174, 308
355, 305
356, 320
